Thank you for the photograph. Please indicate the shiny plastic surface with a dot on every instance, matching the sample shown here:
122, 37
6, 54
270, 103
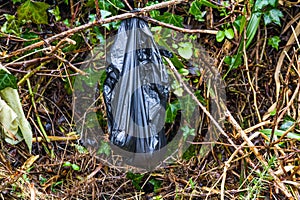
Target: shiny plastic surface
136, 89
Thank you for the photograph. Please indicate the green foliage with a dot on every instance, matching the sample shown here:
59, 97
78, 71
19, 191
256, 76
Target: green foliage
33, 11
273, 15
156, 184
195, 10
104, 148
171, 112
240, 23
72, 165
262, 8
56, 13
274, 42
187, 131
177, 89
135, 178
7, 80
171, 18
280, 133
221, 34
185, 50
12, 25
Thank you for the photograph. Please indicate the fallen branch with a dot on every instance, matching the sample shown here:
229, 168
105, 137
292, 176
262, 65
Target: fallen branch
92, 24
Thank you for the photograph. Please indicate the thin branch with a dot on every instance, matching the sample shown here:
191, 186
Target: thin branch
184, 30
127, 4
92, 24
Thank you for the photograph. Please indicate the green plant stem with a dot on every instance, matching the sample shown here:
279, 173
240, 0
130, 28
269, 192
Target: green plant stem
36, 113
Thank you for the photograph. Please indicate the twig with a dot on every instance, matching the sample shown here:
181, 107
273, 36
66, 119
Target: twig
92, 24
257, 154
249, 79
56, 138
238, 128
127, 4
184, 30
98, 14
206, 111
71, 65
287, 47
28, 63
227, 164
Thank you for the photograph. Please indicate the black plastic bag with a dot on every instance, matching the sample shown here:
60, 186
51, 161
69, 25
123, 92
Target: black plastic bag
136, 89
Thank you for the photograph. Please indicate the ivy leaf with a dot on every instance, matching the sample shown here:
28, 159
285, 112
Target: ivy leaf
170, 18
187, 132
7, 80
274, 42
195, 8
229, 33
171, 111
34, 11
185, 50
187, 105
135, 178
260, 4
104, 14
220, 36
275, 16
273, 3
104, 148
156, 184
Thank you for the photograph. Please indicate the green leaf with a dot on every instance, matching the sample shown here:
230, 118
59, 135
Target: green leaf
11, 26
104, 148
33, 11
7, 80
187, 105
170, 18
67, 164
104, 14
156, 184
136, 179
260, 4
183, 71
187, 132
274, 42
229, 33
171, 111
273, 3
195, 8
286, 125
56, 13
220, 36
75, 167
240, 23
185, 50
208, 4
275, 16
279, 133
251, 30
